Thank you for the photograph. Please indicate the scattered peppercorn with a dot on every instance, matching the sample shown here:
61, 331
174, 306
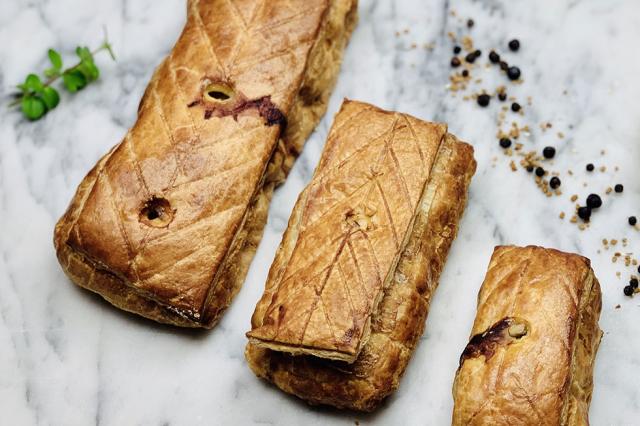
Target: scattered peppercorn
502, 96
530, 169
618, 188
633, 282
513, 73
465, 73
540, 171
470, 58
594, 201
470, 23
633, 220
515, 107
514, 45
628, 290
505, 142
504, 66
584, 213
457, 49
477, 53
483, 100
455, 62
590, 167
494, 57
554, 182
549, 152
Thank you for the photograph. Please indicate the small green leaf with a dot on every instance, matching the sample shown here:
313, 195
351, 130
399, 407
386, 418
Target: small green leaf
74, 80
33, 82
50, 97
33, 107
51, 72
84, 53
56, 59
89, 70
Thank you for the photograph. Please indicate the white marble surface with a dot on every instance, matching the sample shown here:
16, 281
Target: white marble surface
67, 357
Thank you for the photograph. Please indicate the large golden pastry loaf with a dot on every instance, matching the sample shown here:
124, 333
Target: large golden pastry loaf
349, 290
166, 224
534, 341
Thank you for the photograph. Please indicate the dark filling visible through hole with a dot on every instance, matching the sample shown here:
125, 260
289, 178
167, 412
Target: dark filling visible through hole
156, 212
221, 96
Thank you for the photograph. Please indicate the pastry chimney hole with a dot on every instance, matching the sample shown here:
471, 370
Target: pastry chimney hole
217, 93
156, 212
518, 330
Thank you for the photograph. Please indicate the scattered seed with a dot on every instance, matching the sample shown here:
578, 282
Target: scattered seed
549, 152
483, 100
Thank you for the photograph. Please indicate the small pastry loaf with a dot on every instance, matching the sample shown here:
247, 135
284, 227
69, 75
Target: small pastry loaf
534, 341
166, 224
349, 290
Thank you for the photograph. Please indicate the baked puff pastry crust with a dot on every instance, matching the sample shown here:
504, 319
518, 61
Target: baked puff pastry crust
531, 355
349, 290
166, 224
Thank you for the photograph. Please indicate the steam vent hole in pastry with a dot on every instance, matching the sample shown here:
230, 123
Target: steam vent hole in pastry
502, 333
156, 212
217, 93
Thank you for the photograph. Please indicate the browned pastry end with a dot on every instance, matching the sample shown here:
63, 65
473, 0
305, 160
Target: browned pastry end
349, 290
531, 355
166, 224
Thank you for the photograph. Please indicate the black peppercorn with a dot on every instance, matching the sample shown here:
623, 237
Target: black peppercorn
483, 100
477, 53
633, 220
502, 96
554, 183
465, 73
584, 213
470, 58
628, 290
619, 188
594, 201
549, 152
530, 169
457, 49
504, 66
494, 57
540, 171
590, 167
515, 107
455, 62
513, 73
633, 282
470, 23
505, 142
514, 45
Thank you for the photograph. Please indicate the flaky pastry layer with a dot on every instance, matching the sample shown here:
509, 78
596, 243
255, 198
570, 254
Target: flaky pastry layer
166, 224
398, 319
534, 341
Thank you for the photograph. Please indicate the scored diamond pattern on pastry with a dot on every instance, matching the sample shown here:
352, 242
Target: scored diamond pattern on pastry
357, 214
207, 169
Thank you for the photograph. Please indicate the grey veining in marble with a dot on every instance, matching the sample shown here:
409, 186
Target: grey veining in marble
68, 358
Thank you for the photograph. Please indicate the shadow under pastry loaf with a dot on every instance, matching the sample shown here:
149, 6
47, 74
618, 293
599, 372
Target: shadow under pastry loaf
534, 340
349, 290
166, 224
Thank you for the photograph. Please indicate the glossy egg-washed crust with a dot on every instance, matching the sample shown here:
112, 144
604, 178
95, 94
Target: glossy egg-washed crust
541, 374
388, 328
204, 167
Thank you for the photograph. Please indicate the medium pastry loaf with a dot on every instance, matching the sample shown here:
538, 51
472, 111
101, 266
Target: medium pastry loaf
166, 224
349, 290
534, 341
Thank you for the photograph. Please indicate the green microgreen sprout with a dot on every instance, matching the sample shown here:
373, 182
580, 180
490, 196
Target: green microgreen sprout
37, 96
